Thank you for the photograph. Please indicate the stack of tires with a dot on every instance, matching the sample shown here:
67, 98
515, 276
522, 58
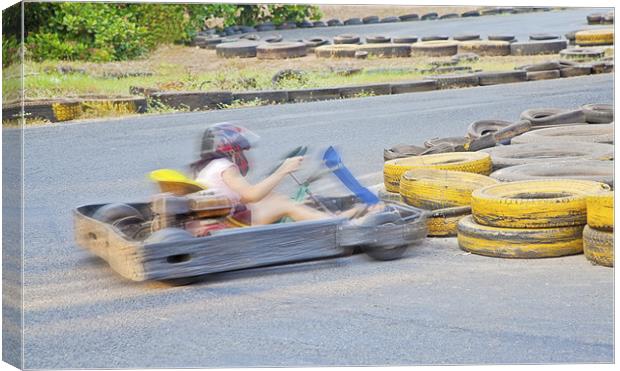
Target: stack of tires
598, 235
527, 219
441, 183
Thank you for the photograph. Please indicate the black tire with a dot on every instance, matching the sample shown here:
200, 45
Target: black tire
543, 36
509, 38
306, 24
401, 151
429, 16
319, 24
598, 171
315, 41
552, 116
582, 54
385, 253
353, 22
346, 39
449, 16
543, 75
281, 50
466, 37
434, 38
334, 23
598, 113
409, 17
482, 127
596, 18
493, 78
569, 134
391, 19
453, 141
485, 47
573, 71
113, 212
377, 39
543, 66
471, 13
265, 27
386, 50
538, 47
455, 81
287, 26
370, 19
520, 154
598, 246
405, 40
238, 49
434, 49
250, 36
273, 38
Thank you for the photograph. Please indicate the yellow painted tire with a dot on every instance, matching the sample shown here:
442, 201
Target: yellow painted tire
534, 203
601, 210
470, 162
598, 246
436, 189
518, 242
595, 37
65, 111
443, 222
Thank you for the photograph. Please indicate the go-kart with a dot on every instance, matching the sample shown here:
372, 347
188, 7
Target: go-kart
188, 232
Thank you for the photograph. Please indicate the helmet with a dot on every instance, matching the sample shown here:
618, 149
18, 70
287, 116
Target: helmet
228, 140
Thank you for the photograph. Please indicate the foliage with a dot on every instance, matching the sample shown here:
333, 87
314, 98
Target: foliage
10, 50
116, 31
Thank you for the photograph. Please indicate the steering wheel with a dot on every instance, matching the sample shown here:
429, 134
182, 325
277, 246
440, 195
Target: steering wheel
299, 151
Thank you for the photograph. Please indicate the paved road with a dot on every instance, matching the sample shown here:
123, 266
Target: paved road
520, 25
436, 306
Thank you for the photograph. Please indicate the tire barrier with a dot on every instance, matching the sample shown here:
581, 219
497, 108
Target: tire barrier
581, 55
443, 222
538, 67
287, 26
483, 127
357, 90
405, 40
518, 242
336, 51
265, 27
377, 39
543, 36
552, 116
314, 42
437, 189
485, 48
434, 49
471, 162
281, 50
598, 246
508, 38
466, 37
401, 151
520, 154
452, 141
593, 170
471, 13
596, 18
494, 78
603, 133
370, 19
538, 47
334, 23
353, 22
602, 67
575, 71
434, 38
534, 203
543, 75
595, 37
237, 49
429, 16
409, 17
346, 39
305, 24
598, 113
449, 16
391, 19
197, 100
601, 210
451, 81
413, 86
386, 50
360, 55
319, 24
273, 38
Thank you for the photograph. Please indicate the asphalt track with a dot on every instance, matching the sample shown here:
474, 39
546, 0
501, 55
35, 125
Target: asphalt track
438, 305
519, 25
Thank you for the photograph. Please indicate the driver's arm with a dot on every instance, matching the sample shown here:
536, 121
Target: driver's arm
253, 193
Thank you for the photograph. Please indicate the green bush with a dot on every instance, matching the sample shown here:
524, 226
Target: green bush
111, 32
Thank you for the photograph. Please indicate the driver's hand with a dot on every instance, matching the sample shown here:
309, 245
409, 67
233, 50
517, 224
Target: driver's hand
291, 165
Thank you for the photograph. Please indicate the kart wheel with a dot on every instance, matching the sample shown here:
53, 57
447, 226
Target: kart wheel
384, 253
183, 281
113, 212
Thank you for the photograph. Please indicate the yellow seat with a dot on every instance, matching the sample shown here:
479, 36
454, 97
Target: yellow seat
175, 182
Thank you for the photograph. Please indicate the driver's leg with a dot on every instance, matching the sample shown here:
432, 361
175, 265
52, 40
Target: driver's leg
274, 207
